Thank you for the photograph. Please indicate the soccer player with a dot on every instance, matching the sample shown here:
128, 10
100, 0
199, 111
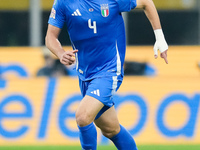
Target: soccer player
97, 34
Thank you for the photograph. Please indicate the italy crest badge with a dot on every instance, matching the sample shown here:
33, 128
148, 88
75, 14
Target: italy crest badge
104, 10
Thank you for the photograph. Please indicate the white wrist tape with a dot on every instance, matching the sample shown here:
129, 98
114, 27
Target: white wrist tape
161, 43
159, 34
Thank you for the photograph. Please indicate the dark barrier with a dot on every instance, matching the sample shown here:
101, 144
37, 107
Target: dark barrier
180, 28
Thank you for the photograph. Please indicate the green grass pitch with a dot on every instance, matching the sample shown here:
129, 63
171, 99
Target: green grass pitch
140, 147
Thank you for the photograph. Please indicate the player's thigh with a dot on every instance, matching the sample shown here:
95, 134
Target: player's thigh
87, 110
108, 123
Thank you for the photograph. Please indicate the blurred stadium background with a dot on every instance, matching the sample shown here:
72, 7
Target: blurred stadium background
158, 103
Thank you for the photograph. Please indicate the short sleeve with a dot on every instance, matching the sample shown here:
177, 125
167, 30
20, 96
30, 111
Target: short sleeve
57, 16
126, 5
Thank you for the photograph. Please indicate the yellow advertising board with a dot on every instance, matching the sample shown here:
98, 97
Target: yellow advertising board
160, 109
47, 4
175, 4
42, 111
21, 5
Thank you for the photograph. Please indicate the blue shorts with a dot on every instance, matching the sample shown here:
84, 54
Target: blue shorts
102, 89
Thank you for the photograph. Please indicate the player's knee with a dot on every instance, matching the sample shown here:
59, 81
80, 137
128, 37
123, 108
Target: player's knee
82, 119
110, 132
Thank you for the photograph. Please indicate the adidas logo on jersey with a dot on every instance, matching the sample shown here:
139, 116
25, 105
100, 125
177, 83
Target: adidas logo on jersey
96, 92
76, 13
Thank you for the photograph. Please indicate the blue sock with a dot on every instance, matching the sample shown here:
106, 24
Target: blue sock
123, 140
88, 137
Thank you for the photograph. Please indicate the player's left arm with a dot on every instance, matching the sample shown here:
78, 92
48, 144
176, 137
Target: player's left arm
152, 14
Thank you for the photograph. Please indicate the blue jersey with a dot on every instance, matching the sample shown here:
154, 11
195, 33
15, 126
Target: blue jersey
96, 29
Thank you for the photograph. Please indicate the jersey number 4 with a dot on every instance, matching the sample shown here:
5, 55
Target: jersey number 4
94, 26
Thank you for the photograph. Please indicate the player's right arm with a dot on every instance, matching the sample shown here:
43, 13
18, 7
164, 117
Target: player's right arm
56, 22
53, 44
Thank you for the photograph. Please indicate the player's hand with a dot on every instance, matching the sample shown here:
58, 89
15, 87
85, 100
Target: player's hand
162, 46
68, 57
